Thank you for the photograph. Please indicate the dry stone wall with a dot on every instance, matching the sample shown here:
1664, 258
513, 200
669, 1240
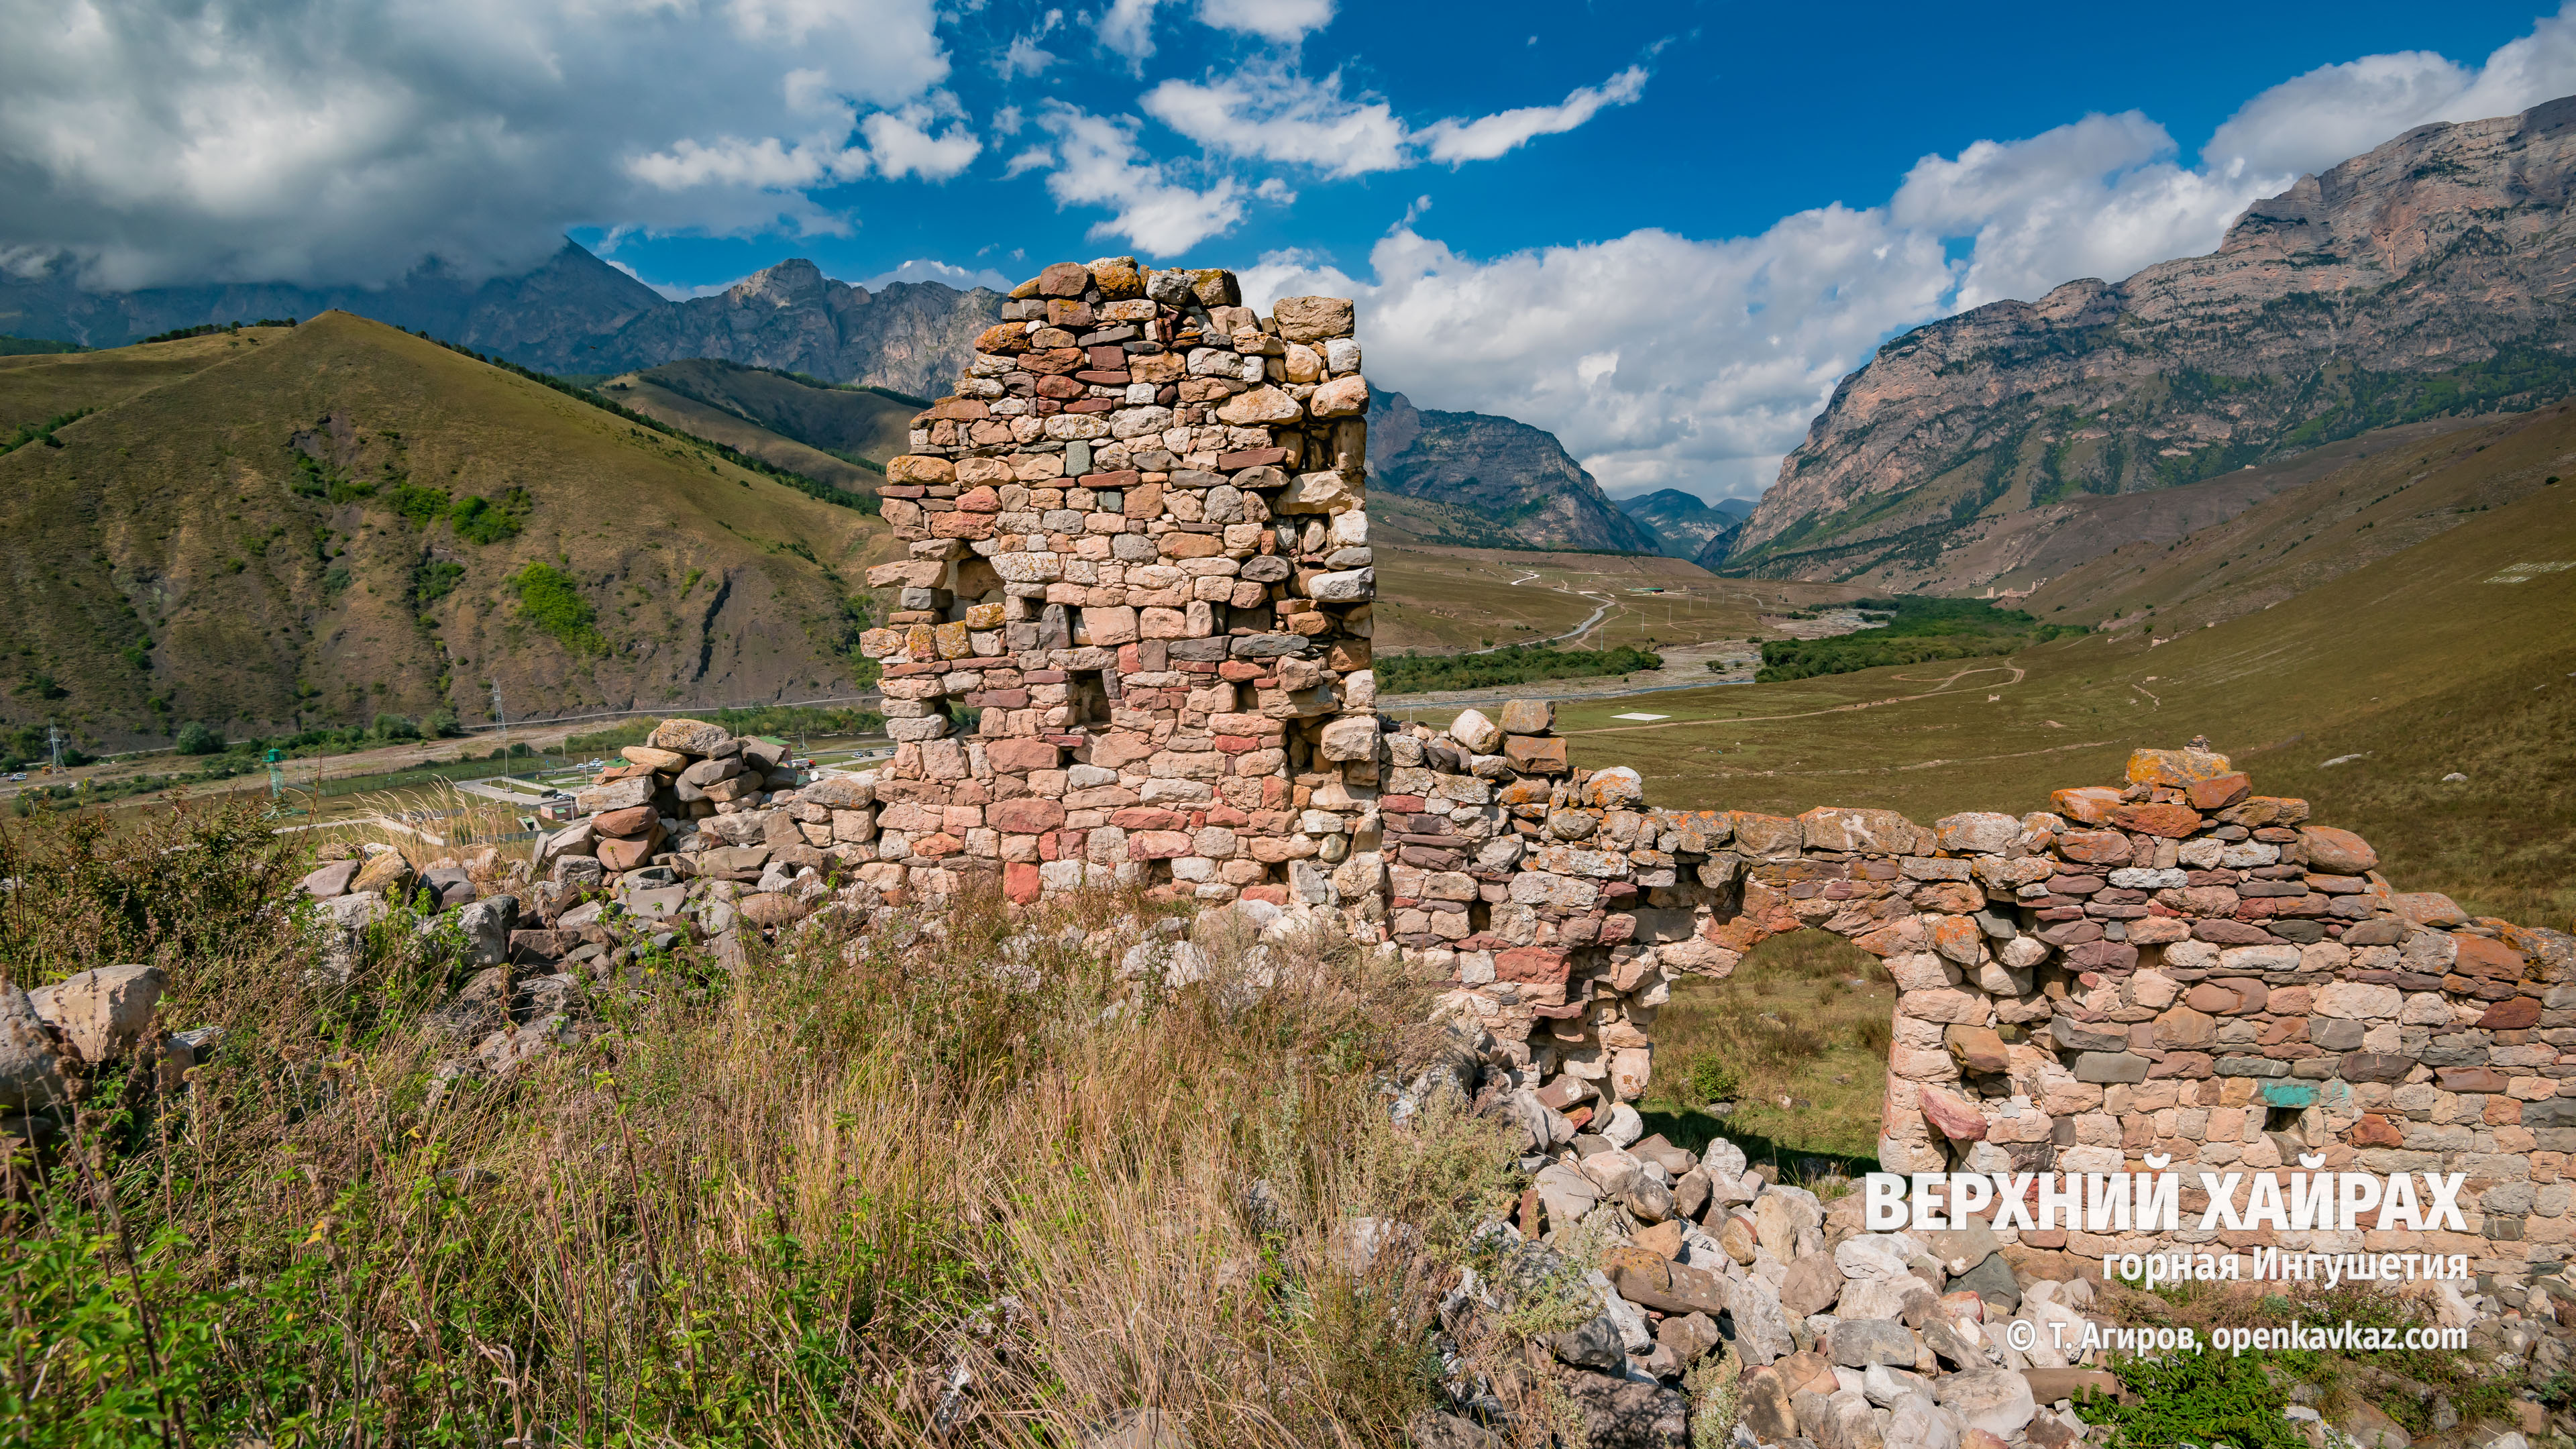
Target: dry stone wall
1137, 546
1137, 543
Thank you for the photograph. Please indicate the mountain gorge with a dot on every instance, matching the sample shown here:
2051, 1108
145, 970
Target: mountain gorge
2426, 280
576, 315
1688, 525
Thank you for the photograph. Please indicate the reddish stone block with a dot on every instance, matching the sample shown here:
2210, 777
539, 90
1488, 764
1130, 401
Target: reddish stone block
1148, 817
2230, 933
2219, 793
1951, 1117
632, 821
2469, 1079
2374, 1130
2094, 847
1251, 458
1026, 815
1157, 845
2478, 956
1020, 882
1535, 756
1276, 895
2086, 804
1538, 964
2172, 822
2338, 852
2511, 1014
1019, 756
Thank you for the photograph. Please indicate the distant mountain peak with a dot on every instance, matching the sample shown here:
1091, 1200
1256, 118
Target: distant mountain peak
2431, 276
1505, 482
575, 314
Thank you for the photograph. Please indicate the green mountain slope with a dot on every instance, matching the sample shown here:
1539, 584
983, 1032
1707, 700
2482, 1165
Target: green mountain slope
739, 433
320, 524
859, 425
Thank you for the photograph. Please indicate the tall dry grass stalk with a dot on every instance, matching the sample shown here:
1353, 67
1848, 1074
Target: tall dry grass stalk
948, 1181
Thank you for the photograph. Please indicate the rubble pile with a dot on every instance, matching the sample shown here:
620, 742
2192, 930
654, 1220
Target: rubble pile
59, 1040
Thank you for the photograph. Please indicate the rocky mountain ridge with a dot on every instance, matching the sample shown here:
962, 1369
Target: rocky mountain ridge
1688, 524
1499, 483
2429, 277
576, 314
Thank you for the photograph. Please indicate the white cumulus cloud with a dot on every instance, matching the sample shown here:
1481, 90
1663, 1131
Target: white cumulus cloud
1273, 113
1658, 360
161, 141
1099, 164
1492, 136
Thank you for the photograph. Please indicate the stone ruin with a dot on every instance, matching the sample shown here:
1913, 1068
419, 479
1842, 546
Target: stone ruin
1137, 549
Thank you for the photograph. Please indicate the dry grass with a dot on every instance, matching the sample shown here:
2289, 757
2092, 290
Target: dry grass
1790, 1022
900, 1186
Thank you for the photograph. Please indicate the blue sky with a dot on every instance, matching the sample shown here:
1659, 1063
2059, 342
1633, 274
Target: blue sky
1748, 113
1661, 231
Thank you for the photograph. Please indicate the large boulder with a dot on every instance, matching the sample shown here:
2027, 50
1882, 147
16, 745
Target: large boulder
487, 925
31, 1068
688, 736
100, 1014
1996, 1400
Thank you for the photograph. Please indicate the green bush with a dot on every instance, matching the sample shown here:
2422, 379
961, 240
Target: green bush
1512, 664
551, 599
483, 520
396, 727
1916, 630
1712, 1080
196, 739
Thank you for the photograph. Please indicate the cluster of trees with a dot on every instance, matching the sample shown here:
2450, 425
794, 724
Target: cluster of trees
1514, 664
1910, 631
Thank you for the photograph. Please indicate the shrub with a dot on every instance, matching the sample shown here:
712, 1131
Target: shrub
1712, 1080
551, 599
395, 727
196, 739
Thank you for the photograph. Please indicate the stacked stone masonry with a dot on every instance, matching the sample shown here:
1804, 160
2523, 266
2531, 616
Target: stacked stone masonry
1137, 545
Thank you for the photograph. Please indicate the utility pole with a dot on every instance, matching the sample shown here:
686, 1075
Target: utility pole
54, 742
504, 720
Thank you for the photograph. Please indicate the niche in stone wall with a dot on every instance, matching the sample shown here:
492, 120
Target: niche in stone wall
1089, 696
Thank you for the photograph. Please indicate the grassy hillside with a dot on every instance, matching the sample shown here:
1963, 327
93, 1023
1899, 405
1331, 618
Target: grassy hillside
2446, 657
856, 424
2372, 508
717, 425
287, 527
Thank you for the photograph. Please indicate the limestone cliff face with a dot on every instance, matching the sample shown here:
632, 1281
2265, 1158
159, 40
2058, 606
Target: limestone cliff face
2431, 276
574, 314
1502, 483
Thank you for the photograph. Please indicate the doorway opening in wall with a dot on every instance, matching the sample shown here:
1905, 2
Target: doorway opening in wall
1806, 1016
1087, 700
